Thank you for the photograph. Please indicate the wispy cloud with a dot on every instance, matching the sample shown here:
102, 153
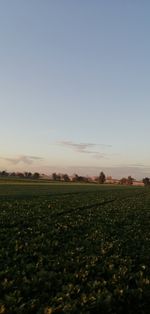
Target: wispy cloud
86, 148
98, 155
137, 165
28, 160
76, 146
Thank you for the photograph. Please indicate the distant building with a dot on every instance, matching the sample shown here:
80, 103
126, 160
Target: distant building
138, 183
112, 181
94, 178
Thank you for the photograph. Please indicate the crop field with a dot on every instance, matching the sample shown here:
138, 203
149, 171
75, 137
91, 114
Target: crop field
74, 248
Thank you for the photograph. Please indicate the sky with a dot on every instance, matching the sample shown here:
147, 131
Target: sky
74, 86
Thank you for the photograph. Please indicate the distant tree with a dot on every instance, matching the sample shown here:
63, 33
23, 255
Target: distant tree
75, 178
28, 175
130, 180
85, 179
20, 175
146, 181
81, 179
101, 178
65, 177
13, 174
56, 177
123, 181
4, 173
36, 175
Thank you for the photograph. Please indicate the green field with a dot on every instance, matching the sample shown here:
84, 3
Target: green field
74, 248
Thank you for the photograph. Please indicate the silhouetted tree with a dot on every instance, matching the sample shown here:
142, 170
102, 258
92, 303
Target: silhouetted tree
101, 178
85, 179
123, 181
20, 174
28, 175
75, 178
13, 174
146, 181
36, 175
56, 177
4, 173
130, 180
65, 177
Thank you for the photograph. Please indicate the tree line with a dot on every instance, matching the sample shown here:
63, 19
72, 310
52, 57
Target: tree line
27, 175
76, 178
101, 179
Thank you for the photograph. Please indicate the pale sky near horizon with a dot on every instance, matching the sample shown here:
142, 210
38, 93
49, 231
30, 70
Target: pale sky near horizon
75, 86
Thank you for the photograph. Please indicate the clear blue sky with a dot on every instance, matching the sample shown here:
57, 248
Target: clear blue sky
75, 86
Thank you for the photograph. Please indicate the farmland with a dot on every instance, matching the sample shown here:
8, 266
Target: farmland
74, 248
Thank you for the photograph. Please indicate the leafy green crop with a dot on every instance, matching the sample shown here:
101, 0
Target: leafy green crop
78, 252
